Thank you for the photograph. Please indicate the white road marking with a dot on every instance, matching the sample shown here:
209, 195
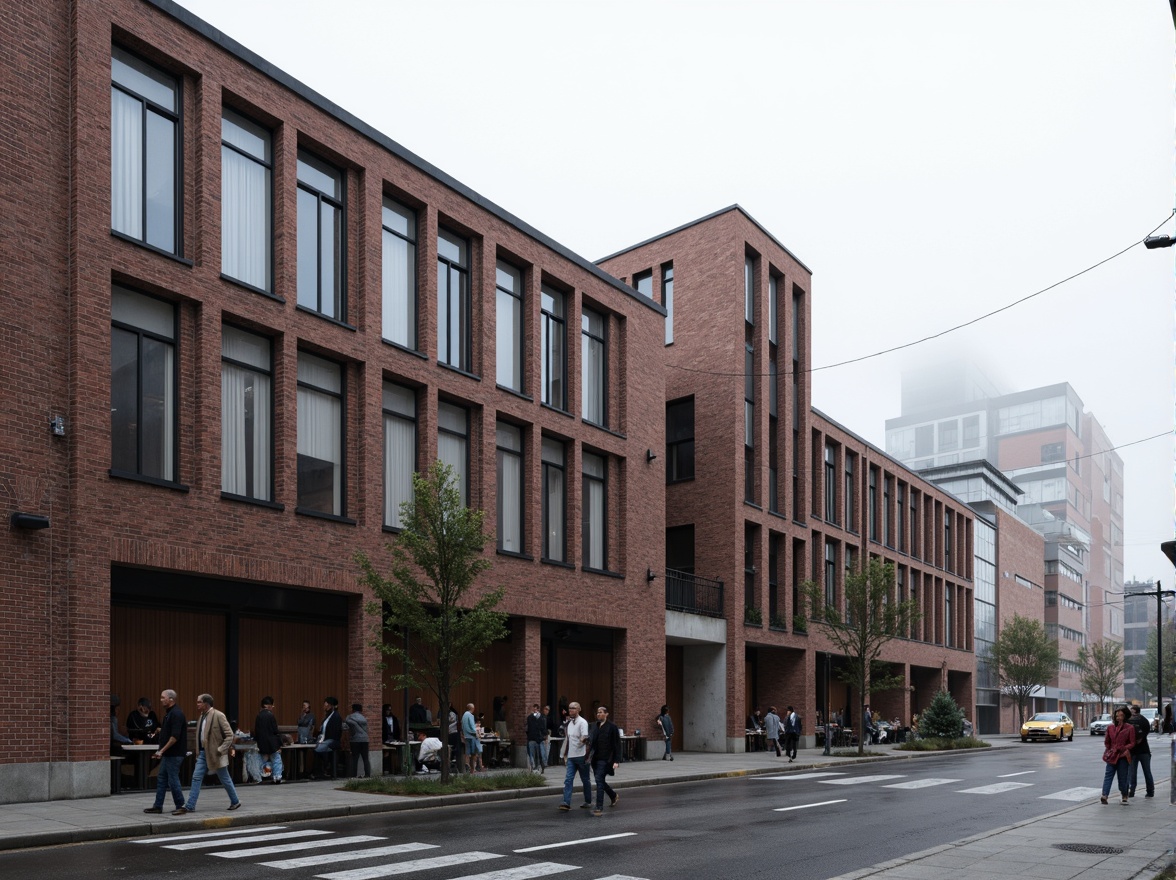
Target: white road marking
235, 831
861, 780
1010, 775
921, 783
996, 788
800, 776
354, 855
806, 806
409, 866
620, 877
539, 869
575, 842
260, 838
1073, 794
294, 847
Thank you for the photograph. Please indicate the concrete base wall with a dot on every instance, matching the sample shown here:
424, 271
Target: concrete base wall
704, 698
44, 781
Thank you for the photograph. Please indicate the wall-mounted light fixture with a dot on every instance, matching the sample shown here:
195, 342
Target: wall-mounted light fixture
57, 426
650, 455
649, 575
29, 521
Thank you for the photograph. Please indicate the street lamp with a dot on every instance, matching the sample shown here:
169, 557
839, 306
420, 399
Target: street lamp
828, 731
1158, 241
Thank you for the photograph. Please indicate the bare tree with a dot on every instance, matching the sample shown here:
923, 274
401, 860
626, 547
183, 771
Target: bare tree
1102, 669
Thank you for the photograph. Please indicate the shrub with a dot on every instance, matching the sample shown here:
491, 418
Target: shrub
425, 786
942, 719
941, 744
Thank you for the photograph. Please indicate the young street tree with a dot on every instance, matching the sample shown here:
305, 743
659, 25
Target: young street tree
1024, 658
872, 618
436, 560
1102, 669
1145, 672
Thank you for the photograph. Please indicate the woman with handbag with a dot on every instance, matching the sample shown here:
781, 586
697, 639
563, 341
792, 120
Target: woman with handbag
1119, 741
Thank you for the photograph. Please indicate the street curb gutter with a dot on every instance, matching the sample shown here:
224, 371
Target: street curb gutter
385, 804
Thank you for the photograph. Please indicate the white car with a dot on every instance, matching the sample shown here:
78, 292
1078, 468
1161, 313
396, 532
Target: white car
1098, 727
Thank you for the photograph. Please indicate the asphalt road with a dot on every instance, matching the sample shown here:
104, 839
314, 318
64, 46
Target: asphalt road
805, 825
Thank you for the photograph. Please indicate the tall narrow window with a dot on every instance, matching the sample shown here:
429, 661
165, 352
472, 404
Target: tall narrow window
321, 248
453, 301
554, 341
680, 440
246, 414
593, 366
643, 282
900, 514
872, 504
142, 385
453, 445
144, 152
830, 574
554, 501
400, 450
887, 523
850, 493
595, 512
509, 326
668, 299
246, 201
775, 618
509, 439
399, 271
773, 308
948, 548
749, 424
320, 435
749, 290
830, 483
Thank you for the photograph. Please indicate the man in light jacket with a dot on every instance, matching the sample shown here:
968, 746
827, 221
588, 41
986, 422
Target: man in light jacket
575, 754
214, 736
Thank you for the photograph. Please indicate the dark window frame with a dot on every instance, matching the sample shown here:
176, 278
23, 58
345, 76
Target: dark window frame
339, 204
674, 473
268, 288
273, 421
341, 395
548, 322
413, 243
587, 338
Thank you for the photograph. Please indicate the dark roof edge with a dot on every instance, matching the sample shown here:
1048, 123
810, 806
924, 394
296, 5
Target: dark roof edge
248, 56
711, 216
916, 474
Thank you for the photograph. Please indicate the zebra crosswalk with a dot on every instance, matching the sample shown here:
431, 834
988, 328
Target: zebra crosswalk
885, 780
276, 846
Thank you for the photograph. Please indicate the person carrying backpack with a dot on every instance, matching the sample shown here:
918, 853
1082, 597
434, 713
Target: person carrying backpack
791, 733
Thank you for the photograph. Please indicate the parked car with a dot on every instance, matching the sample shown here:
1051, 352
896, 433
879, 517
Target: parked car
1098, 727
1048, 725
1153, 718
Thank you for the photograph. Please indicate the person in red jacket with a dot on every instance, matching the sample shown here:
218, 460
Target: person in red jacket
1119, 742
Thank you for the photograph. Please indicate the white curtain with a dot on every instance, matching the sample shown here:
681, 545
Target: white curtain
244, 209
510, 514
592, 389
320, 437
399, 464
451, 450
594, 524
126, 164
555, 514
399, 284
244, 392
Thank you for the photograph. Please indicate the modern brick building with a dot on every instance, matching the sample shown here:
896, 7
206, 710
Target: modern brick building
764, 493
235, 319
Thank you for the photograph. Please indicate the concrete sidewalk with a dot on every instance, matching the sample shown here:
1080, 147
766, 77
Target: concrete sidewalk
1144, 830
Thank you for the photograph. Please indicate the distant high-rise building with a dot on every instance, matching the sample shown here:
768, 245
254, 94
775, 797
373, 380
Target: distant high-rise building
1070, 482
1140, 617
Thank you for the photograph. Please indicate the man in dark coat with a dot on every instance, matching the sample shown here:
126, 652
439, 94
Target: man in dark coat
269, 741
536, 735
604, 747
1140, 754
330, 738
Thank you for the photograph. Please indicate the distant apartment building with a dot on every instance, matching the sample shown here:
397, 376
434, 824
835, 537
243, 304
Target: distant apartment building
1069, 482
1141, 618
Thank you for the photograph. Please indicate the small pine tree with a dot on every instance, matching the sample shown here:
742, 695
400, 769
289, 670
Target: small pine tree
943, 719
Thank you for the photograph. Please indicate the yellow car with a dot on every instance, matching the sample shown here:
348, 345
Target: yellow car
1048, 725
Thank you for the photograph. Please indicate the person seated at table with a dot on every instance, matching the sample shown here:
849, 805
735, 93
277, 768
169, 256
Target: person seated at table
117, 740
755, 721
429, 757
390, 727
330, 737
143, 723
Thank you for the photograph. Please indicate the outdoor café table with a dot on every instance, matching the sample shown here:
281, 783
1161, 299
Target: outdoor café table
294, 757
142, 754
394, 750
496, 751
756, 741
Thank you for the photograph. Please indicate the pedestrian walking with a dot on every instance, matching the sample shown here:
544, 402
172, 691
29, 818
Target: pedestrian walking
791, 733
214, 738
357, 728
605, 749
575, 754
1118, 742
1141, 755
536, 733
666, 725
173, 736
772, 730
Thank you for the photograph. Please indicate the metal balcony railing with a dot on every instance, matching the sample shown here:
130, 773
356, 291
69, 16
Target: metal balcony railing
693, 594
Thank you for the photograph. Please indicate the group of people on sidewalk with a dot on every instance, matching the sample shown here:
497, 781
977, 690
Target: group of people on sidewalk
1126, 751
